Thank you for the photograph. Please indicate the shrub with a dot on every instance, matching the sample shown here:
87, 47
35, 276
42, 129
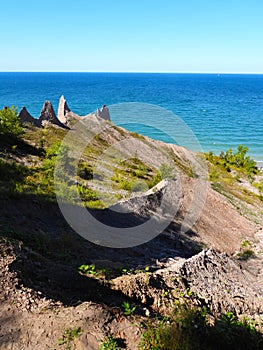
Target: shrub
239, 160
10, 122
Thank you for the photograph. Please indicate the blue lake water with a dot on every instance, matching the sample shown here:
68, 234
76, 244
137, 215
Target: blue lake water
222, 110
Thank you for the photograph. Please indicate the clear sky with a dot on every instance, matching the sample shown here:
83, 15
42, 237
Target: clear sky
132, 35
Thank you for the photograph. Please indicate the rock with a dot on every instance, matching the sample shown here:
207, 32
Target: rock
65, 115
104, 113
151, 201
26, 117
212, 278
48, 114
63, 110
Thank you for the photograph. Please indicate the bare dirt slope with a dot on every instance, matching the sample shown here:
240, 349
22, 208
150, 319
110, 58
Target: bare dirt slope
43, 294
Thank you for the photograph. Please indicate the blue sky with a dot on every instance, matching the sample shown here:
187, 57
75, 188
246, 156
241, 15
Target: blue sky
132, 35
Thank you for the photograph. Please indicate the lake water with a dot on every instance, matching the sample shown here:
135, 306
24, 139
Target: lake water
222, 110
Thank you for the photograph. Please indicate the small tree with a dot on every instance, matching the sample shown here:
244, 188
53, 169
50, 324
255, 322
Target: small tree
9, 122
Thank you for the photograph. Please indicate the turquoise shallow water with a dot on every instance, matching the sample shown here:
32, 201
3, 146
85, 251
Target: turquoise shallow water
222, 111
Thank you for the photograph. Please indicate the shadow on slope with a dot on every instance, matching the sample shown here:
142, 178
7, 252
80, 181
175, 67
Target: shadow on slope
52, 252
10, 144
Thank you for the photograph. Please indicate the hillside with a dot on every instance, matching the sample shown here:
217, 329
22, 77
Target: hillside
62, 291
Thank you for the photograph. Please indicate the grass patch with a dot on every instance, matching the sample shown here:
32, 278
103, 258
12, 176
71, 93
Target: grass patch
69, 336
185, 167
132, 175
191, 328
109, 343
137, 136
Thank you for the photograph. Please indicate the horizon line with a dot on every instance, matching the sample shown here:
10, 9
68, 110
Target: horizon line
133, 72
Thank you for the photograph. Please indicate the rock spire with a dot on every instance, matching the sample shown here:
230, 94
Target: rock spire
63, 110
26, 117
47, 113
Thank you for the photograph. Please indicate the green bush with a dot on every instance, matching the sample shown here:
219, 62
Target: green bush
10, 122
239, 158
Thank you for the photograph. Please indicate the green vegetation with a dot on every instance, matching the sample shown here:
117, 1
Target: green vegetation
232, 161
58, 247
246, 251
246, 254
239, 160
192, 328
44, 137
128, 309
109, 344
46, 172
246, 244
38, 179
85, 171
135, 271
167, 172
184, 165
109, 273
137, 136
37, 176
259, 186
10, 123
88, 269
69, 335
133, 175
99, 272
106, 273
11, 175
228, 170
